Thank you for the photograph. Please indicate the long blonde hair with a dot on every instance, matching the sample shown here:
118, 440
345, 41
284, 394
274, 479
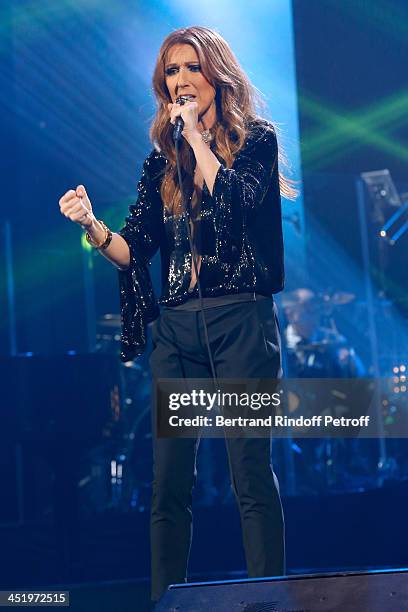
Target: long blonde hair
236, 102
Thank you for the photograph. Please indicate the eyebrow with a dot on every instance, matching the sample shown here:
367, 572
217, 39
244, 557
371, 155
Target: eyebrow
184, 63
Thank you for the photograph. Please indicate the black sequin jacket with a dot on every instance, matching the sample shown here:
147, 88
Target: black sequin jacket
241, 243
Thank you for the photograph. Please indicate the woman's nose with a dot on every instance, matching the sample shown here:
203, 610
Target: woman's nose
182, 77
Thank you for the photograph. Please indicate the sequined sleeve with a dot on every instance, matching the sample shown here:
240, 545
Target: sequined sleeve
142, 231
144, 223
239, 190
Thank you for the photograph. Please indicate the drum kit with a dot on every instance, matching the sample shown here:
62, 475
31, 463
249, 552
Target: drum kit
120, 468
314, 348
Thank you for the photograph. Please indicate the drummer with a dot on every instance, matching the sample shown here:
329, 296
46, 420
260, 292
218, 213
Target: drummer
315, 348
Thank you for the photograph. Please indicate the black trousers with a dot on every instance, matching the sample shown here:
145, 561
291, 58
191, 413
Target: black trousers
245, 343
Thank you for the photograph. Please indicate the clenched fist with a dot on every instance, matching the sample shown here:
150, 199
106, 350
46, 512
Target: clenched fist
189, 113
76, 206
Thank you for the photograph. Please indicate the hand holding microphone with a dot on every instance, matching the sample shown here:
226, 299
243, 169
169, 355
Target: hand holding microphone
184, 116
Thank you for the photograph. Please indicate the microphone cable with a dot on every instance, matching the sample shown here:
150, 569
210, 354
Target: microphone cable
177, 139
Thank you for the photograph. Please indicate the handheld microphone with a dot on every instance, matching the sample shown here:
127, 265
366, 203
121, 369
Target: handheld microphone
179, 124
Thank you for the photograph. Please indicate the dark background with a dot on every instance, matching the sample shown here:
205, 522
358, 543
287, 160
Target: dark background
351, 64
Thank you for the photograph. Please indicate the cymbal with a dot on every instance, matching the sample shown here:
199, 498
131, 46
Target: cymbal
303, 295
339, 298
297, 297
109, 320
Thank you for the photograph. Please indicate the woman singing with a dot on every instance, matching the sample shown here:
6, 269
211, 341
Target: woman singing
229, 161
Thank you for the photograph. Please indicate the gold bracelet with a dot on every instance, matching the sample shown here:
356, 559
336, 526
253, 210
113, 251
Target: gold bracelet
106, 240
